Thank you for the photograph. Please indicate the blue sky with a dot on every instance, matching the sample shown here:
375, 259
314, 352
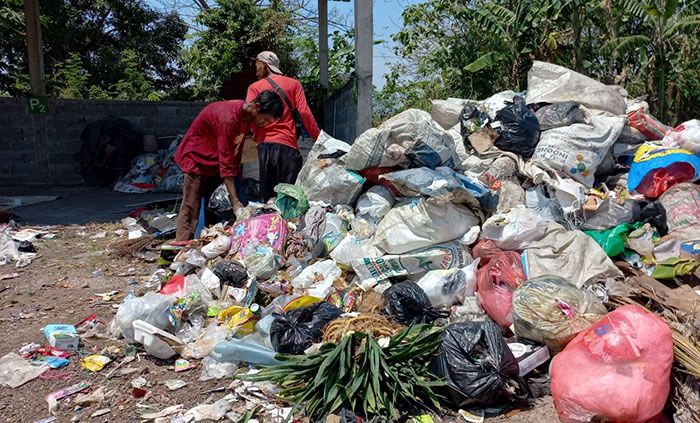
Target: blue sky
387, 21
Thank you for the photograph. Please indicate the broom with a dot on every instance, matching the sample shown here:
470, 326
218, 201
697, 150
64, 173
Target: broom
130, 247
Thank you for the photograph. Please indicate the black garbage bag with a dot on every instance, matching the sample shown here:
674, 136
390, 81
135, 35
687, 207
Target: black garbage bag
477, 364
230, 273
408, 303
654, 213
293, 332
219, 203
26, 247
519, 130
556, 115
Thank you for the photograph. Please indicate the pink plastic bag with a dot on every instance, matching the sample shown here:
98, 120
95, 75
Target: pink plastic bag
485, 249
266, 228
496, 281
618, 370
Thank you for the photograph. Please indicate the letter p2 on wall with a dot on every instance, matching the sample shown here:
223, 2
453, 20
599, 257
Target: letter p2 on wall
38, 105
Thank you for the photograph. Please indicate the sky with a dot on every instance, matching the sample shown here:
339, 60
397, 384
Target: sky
387, 21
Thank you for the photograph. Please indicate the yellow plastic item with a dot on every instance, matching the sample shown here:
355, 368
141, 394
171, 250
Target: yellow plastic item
240, 319
95, 362
597, 193
229, 312
300, 302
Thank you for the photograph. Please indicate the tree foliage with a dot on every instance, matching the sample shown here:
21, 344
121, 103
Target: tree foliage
234, 32
167, 49
475, 48
95, 48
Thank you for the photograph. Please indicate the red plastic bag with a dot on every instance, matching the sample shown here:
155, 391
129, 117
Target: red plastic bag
618, 370
485, 249
496, 281
648, 125
372, 175
660, 180
175, 286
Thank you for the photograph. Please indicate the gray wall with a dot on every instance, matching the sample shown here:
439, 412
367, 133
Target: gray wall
340, 114
40, 149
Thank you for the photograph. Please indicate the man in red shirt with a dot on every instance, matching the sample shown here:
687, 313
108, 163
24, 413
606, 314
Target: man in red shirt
278, 151
211, 151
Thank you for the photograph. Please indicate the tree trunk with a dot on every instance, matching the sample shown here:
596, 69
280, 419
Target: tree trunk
576, 24
661, 63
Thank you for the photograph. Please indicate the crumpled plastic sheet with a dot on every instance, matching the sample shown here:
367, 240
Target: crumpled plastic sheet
211, 412
16, 371
9, 251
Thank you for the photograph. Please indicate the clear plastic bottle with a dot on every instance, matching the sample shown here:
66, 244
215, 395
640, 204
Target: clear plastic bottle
237, 350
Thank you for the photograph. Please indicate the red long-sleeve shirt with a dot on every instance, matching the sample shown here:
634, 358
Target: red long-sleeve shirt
283, 131
208, 148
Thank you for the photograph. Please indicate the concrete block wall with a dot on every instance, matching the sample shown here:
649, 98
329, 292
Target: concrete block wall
40, 149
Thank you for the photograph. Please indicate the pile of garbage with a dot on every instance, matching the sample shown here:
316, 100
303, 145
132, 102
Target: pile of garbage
16, 244
473, 258
155, 171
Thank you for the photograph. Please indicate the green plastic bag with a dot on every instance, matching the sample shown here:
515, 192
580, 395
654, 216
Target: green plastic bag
672, 267
291, 201
612, 241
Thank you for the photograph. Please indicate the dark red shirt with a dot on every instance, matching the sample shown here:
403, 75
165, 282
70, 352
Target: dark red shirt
208, 148
283, 131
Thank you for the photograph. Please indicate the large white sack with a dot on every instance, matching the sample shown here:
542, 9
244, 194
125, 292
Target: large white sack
549, 83
685, 135
573, 255
375, 203
443, 184
446, 112
497, 102
409, 139
351, 248
373, 270
327, 179
515, 229
463, 156
318, 278
326, 144
422, 223
450, 286
577, 150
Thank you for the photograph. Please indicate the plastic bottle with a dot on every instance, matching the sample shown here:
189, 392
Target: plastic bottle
236, 350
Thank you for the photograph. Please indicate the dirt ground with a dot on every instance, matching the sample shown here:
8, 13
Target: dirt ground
60, 286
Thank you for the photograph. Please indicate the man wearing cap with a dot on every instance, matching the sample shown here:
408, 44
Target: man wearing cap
278, 149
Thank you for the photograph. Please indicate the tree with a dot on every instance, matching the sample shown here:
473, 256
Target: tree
13, 74
341, 63
476, 48
663, 43
527, 31
233, 33
91, 38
